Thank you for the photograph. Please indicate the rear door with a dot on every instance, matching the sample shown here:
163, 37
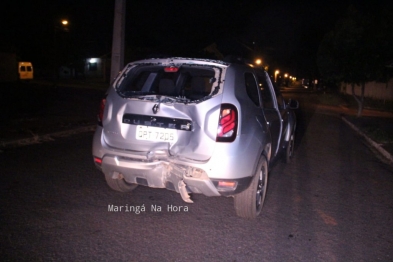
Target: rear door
159, 109
284, 113
270, 108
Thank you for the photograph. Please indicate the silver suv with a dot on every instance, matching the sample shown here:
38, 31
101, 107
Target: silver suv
193, 126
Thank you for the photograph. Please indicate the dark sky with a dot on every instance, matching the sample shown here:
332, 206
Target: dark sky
284, 33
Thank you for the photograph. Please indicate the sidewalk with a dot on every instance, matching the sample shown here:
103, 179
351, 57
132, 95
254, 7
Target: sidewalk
62, 112
375, 126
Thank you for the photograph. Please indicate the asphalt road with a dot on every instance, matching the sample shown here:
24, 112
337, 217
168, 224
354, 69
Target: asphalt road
334, 202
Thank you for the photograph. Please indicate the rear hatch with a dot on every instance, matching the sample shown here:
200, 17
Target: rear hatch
161, 108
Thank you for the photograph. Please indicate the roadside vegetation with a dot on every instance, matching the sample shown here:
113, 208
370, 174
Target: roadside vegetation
378, 135
358, 50
378, 129
338, 99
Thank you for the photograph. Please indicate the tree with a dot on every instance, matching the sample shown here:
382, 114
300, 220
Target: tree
356, 51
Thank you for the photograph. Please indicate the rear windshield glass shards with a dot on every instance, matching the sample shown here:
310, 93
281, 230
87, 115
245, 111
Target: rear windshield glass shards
191, 82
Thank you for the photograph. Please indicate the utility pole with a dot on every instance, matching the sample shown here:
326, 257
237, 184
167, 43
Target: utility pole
117, 61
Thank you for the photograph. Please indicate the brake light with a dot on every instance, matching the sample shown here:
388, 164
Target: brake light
227, 124
97, 160
101, 111
171, 69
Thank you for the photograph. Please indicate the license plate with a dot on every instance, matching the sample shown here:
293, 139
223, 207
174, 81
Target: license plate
151, 133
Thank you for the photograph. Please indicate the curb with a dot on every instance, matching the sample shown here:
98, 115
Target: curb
374, 144
47, 137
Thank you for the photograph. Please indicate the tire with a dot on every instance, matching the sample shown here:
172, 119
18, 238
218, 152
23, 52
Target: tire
119, 184
249, 203
290, 148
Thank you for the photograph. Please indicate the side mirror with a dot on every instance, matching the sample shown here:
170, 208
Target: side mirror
293, 104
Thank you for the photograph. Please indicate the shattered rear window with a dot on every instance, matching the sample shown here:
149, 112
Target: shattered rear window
190, 82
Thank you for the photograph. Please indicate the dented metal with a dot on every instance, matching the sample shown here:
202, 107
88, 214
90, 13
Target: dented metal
159, 127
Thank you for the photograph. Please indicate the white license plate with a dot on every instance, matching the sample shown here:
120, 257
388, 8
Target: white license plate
151, 133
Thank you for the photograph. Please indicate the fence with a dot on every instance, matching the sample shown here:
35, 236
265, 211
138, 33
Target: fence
376, 90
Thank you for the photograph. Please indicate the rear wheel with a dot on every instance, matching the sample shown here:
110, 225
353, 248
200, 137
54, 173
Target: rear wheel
290, 148
119, 184
249, 203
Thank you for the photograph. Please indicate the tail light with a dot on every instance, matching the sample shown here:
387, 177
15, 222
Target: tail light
227, 124
98, 160
171, 69
101, 111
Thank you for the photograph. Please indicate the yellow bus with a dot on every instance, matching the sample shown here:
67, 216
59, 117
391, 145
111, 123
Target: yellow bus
25, 70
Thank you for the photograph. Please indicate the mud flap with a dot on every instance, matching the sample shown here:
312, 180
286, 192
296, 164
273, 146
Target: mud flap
183, 192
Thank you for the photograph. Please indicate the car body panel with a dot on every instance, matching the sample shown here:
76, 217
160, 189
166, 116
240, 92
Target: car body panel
197, 143
166, 136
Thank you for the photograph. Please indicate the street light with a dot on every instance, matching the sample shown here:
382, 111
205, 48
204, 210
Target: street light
63, 26
286, 82
258, 61
275, 75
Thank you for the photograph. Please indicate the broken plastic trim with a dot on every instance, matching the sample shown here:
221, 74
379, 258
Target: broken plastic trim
183, 192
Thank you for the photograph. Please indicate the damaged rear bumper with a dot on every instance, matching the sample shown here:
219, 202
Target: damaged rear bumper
163, 174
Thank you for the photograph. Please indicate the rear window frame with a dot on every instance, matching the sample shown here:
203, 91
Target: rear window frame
126, 86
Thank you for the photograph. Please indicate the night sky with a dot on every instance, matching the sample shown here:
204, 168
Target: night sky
284, 33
